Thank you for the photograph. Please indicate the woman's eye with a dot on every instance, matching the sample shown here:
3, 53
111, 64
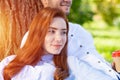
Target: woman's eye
64, 32
51, 31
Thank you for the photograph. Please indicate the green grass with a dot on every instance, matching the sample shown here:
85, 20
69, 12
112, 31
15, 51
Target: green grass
106, 39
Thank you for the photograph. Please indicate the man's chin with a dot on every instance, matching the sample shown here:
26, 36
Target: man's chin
67, 13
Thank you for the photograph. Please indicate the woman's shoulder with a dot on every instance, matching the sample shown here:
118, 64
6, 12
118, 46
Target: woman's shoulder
38, 72
6, 60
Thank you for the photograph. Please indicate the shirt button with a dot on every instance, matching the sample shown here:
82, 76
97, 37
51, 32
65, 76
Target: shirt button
80, 45
71, 35
109, 70
98, 61
87, 52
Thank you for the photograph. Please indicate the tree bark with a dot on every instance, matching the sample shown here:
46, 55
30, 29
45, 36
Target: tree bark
15, 18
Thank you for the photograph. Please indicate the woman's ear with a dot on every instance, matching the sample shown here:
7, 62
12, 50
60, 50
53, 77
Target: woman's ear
45, 3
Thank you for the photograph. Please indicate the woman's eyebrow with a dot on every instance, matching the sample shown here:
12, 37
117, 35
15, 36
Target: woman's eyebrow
56, 28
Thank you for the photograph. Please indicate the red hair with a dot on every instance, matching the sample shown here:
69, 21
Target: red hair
32, 51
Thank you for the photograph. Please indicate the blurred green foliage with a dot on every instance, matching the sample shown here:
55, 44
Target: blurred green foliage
81, 12
109, 10
84, 11
106, 39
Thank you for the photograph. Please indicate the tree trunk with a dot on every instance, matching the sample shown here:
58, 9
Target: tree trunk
15, 18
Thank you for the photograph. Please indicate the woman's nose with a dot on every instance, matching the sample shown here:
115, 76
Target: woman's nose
58, 37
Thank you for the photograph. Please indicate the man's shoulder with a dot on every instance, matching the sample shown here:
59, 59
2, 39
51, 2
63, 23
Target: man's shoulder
77, 27
74, 25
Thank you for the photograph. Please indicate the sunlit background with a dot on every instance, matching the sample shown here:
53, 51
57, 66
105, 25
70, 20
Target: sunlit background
102, 19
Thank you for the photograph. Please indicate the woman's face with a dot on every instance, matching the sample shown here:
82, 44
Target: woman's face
56, 36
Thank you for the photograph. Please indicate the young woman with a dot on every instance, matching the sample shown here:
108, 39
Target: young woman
43, 57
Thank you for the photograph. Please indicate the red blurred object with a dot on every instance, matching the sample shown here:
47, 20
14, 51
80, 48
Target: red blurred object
116, 53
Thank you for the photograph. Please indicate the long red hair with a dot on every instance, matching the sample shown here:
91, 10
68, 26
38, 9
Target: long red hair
32, 51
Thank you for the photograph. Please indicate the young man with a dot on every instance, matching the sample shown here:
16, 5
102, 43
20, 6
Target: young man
81, 45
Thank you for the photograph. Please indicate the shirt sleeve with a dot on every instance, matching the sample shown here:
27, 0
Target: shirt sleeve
38, 72
44, 71
83, 71
3, 63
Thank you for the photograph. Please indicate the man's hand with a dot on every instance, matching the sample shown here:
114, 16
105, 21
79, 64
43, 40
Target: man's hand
113, 65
